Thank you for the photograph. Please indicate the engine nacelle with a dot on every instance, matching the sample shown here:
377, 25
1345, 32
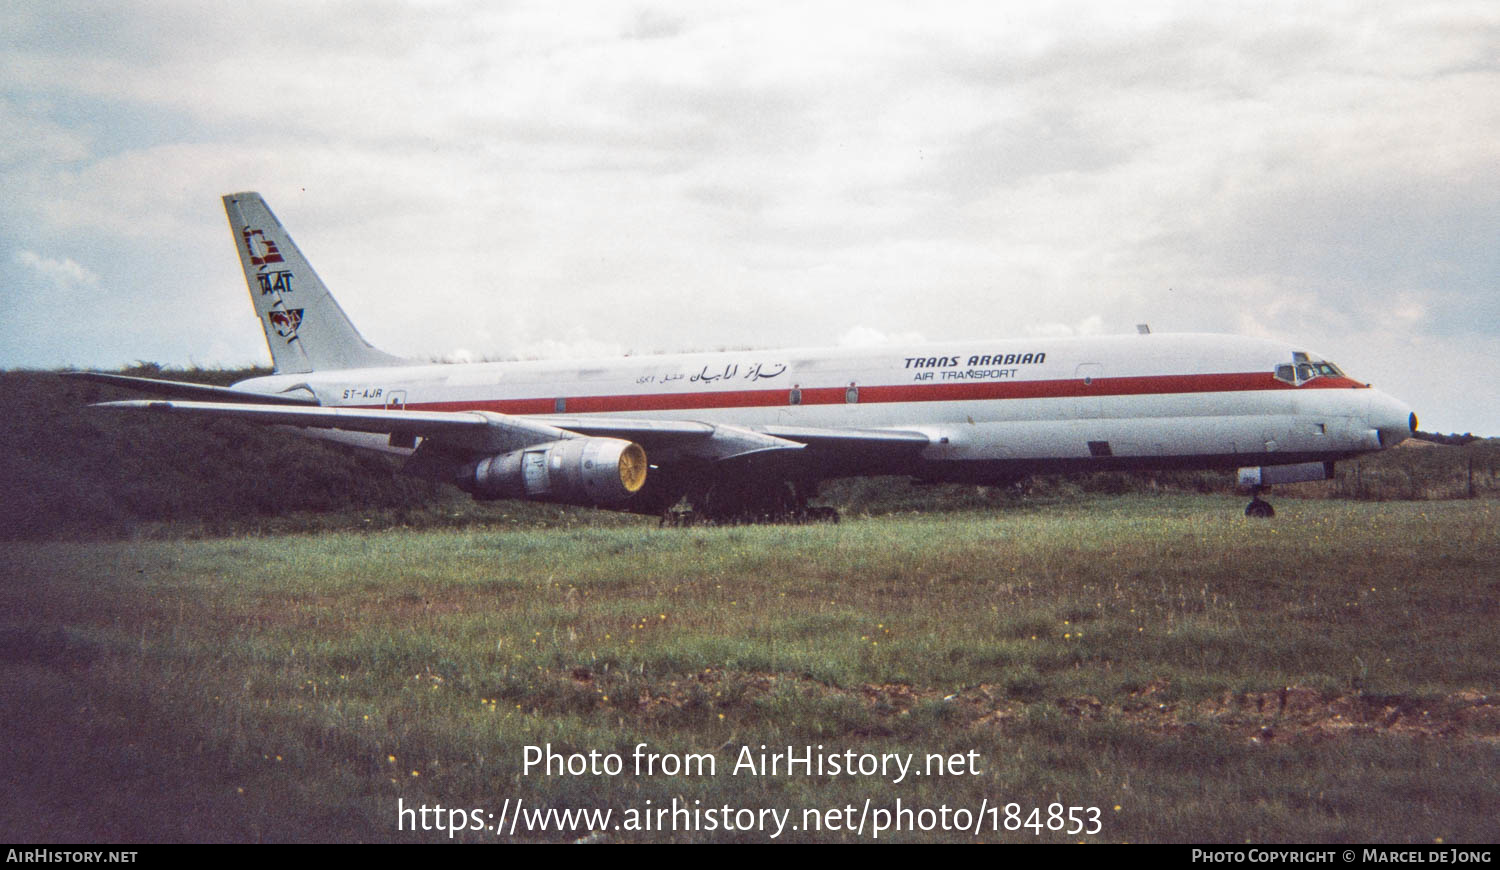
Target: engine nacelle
581, 471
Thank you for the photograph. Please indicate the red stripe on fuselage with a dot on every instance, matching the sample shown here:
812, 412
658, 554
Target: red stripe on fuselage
1150, 385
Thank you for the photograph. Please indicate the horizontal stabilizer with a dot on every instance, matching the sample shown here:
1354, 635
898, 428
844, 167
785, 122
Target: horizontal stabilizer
479, 431
196, 392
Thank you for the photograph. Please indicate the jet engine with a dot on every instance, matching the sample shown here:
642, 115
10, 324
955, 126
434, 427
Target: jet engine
581, 471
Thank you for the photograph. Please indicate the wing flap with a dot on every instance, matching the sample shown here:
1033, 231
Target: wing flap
646, 432
899, 439
676, 438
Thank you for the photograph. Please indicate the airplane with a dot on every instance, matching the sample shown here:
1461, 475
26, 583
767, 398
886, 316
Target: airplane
749, 435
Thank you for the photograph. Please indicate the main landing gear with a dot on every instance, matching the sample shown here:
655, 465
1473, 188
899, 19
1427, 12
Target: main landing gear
684, 519
1259, 508
745, 500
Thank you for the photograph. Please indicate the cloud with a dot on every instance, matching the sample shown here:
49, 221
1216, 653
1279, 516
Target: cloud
864, 336
1092, 325
699, 175
63, 275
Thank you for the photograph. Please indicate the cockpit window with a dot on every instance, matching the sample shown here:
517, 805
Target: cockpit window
1303, 369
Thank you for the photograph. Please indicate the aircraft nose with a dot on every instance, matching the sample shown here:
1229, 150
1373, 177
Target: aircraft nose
1392, 418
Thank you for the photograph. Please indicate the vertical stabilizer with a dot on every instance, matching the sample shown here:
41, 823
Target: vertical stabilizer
305, 328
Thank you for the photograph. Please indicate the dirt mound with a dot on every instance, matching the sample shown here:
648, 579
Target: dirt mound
1299, 712
1282, 714
1288, 713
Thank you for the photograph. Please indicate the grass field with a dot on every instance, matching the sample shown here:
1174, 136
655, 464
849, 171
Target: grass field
1332, 675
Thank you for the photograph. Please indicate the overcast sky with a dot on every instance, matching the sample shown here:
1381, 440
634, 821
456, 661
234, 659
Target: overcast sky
561, 179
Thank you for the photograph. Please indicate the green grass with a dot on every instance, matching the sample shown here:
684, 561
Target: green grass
1327, 676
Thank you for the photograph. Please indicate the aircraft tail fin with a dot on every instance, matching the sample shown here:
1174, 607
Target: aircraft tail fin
305, 327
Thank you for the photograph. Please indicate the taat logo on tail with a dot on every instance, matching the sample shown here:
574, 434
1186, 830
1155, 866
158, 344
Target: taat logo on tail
274, 282
285, 321
262, 250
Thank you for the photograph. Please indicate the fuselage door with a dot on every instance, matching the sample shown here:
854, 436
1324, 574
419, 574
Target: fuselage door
1089, 375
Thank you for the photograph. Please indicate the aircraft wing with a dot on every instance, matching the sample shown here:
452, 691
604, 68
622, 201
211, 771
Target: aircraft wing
677, 432
667, 441
485, 431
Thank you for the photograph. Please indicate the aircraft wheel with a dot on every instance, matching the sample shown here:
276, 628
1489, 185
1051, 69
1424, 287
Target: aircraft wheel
1260, 510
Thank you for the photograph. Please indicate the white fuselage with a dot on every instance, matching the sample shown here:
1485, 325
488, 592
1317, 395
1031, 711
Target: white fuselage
1032, 404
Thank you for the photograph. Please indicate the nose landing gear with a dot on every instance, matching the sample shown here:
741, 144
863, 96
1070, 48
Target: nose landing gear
1259, 479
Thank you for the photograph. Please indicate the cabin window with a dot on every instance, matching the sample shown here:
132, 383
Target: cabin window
851, 395
560, 405
795, 397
